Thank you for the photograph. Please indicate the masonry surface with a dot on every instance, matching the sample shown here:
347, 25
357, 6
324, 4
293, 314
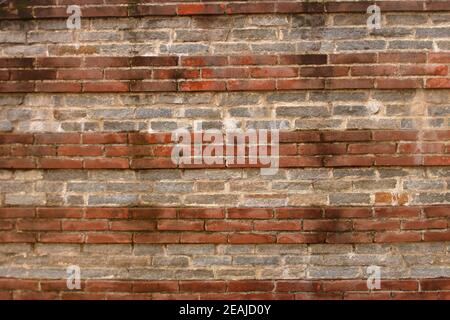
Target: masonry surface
86, 176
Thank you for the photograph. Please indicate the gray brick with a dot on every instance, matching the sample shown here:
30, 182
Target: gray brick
349, 198
256, 260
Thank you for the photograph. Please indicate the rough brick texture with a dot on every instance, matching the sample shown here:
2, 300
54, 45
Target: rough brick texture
87, 179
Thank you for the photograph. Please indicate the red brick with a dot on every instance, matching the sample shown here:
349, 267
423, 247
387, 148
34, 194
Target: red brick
220, 73
436, 160
430, 236
18, 284
349, 237
58, 163
107, 86
128, 74
199, 8
108, 213
155, 237
153, 86
348, 161
250, 285
253, 60
138, 225
313, 59
328, 71
248, 238
80, 151
17, 87
438, 211
65, 212
203, 286
380, 70
112, 163
402, 57
365, 225
297, 286
42, 74
60, 237
58, 138
277, 225
432, 70
106, 62
241, 85
249, 213
424, 224
108, 286
234, 8
199, 61
299, 136
105, 11
353, 58
154, 61
176, 74
84, 225
326, 225
299, 7
104, 138
360, 148
397, 212
58, 62
349, 84
58, 87
17, 163
421, 147
179, 225
202, 86
229, 226
438, 57
16, 212
152, 213
301, 238
38, 224
155, 286
399, 83
398, 237
203, 238
16, 62
153, 10
16, 138
347, 212
108, 238
434, 284
273, 72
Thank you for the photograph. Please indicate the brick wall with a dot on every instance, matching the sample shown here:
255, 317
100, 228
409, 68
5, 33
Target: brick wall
86, 176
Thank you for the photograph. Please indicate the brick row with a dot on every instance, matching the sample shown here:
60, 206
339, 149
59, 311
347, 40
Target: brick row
359, 148
125, 8
221, 86
214, 73
393, 59
95, 289
225, 225
298, 136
